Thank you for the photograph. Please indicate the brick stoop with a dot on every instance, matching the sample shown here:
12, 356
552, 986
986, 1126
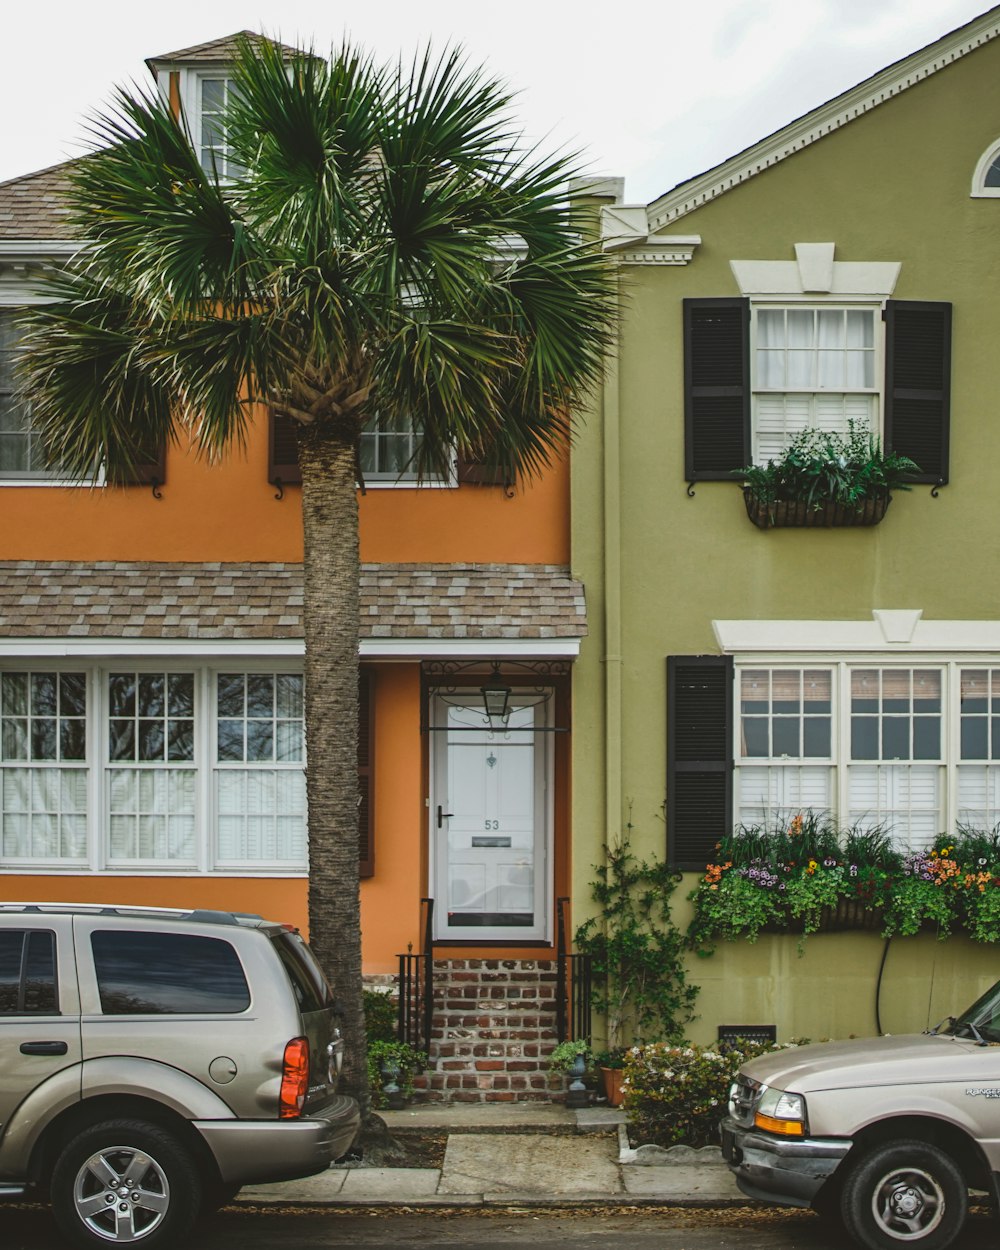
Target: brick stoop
493, 1031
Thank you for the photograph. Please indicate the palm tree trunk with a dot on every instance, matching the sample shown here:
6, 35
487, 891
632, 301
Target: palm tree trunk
331, 574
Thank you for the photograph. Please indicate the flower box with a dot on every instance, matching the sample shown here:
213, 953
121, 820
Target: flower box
798, 513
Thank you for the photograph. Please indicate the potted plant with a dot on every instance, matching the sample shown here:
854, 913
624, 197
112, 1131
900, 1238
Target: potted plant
825, 479
611, 1064
393, 1064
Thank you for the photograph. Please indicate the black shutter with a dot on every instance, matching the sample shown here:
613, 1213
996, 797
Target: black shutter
366, 776
716, 388
479, 473
282, 450
918, 385
699, 757
150, 468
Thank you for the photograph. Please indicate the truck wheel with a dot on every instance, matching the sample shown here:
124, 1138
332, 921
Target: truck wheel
905, 1193
128, 1182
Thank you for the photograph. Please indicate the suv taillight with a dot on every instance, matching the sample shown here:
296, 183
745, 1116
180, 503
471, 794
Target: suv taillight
294, 1079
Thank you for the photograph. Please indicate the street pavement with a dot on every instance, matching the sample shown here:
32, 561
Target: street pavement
519, 1154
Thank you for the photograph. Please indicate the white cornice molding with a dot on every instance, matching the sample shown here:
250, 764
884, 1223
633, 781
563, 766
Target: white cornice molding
815, 272
23, 263
370, 648
889, 631
625, 233
822, 121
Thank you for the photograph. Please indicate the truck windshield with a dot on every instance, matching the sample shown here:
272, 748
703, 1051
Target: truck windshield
981, 1021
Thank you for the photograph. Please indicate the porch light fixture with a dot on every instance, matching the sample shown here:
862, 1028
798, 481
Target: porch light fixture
496, 696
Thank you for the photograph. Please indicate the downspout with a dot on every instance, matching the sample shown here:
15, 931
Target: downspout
611, 429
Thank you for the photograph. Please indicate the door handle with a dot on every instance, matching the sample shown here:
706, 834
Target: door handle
44, 1048
443, 815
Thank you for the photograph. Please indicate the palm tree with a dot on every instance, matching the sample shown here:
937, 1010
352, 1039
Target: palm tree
380, 247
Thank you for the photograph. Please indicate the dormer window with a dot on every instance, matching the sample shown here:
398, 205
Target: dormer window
213, 95
986, 179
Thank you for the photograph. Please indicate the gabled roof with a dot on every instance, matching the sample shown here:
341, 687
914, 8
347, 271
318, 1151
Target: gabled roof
844, 108
223, 49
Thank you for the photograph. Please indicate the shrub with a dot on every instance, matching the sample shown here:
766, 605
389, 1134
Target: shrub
677, 1095
380, 1017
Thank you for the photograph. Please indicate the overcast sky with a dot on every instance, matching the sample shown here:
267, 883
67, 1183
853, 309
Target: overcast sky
655, 92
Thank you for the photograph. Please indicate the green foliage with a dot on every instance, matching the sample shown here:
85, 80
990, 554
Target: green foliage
819, 467
564, 1055
790, 876
636, 950
677, 1095
380, 1017
399, 1055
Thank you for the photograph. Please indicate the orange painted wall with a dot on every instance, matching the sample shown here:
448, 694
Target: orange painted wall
228, 512
282, 898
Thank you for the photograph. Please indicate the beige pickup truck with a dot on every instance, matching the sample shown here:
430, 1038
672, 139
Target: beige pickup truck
886, 1135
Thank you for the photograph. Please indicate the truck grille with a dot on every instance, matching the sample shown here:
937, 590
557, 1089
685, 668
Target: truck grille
744, 1096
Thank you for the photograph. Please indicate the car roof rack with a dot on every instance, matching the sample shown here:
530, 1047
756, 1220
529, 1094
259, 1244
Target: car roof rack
199, 915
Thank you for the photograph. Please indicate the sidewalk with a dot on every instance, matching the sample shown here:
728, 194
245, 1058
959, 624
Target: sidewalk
514, 1154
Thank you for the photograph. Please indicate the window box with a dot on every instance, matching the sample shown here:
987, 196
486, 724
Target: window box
798, 513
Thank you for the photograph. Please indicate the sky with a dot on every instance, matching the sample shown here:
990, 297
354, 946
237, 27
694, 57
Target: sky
653, 92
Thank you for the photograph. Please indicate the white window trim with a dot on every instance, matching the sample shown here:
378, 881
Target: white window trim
979, 190
98, 769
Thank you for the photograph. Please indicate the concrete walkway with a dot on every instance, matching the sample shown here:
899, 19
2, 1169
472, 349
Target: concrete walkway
514, 1154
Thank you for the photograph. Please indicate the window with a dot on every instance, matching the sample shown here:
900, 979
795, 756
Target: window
868, 744
817, 365
43, 773
21, 451
986, 179
143, 973
27, 973
814, 368
388, 450
214, 94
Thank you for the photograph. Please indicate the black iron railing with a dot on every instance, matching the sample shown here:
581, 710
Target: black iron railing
573, 985
416, 988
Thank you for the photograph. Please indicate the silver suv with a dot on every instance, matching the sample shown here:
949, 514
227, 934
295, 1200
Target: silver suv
886, 1136
152, 1062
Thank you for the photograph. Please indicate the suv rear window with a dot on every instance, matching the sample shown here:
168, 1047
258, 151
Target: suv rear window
312, 990
142, 973
27, 972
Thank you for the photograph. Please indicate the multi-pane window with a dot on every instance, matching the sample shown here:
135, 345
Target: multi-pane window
43, 771
151, 774
21, 451
814, 368
213, 148
979, 771
915, 748
388, 450
259, 783
191, 768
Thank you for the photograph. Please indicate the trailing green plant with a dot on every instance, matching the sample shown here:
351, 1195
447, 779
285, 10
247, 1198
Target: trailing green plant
399, 1055
676, 1095
819, 467
613, 1058
791, 875
636, 950
380, 1017
564, 1055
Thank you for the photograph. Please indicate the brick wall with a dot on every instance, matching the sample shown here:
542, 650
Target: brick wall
494, 1028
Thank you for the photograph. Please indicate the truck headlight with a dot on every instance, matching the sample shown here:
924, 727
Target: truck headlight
778, 1112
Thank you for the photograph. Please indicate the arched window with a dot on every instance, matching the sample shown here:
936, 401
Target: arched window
986, 179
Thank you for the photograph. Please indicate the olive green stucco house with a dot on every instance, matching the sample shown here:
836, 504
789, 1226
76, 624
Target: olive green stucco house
845, 268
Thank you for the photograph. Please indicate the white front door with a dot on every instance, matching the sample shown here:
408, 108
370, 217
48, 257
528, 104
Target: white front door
490, 823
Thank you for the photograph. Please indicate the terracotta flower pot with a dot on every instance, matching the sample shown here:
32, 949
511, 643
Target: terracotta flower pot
612, 1085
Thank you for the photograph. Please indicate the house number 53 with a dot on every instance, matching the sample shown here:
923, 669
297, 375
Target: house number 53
491, 824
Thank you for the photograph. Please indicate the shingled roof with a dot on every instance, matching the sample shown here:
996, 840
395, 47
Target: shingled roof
264, 601
223, 49
31, 206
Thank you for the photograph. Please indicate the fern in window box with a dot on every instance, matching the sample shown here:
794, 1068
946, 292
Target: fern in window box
826, 478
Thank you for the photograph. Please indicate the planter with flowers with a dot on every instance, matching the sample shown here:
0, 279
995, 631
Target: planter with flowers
808, 877
825, 479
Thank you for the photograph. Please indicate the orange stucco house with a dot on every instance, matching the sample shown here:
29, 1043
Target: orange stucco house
151, 732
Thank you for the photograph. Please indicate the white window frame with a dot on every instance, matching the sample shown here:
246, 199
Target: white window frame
842, 664
98, 766
816, 303
980, 191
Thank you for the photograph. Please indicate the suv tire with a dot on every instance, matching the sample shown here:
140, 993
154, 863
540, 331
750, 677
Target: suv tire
905, 1193
128, 1182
